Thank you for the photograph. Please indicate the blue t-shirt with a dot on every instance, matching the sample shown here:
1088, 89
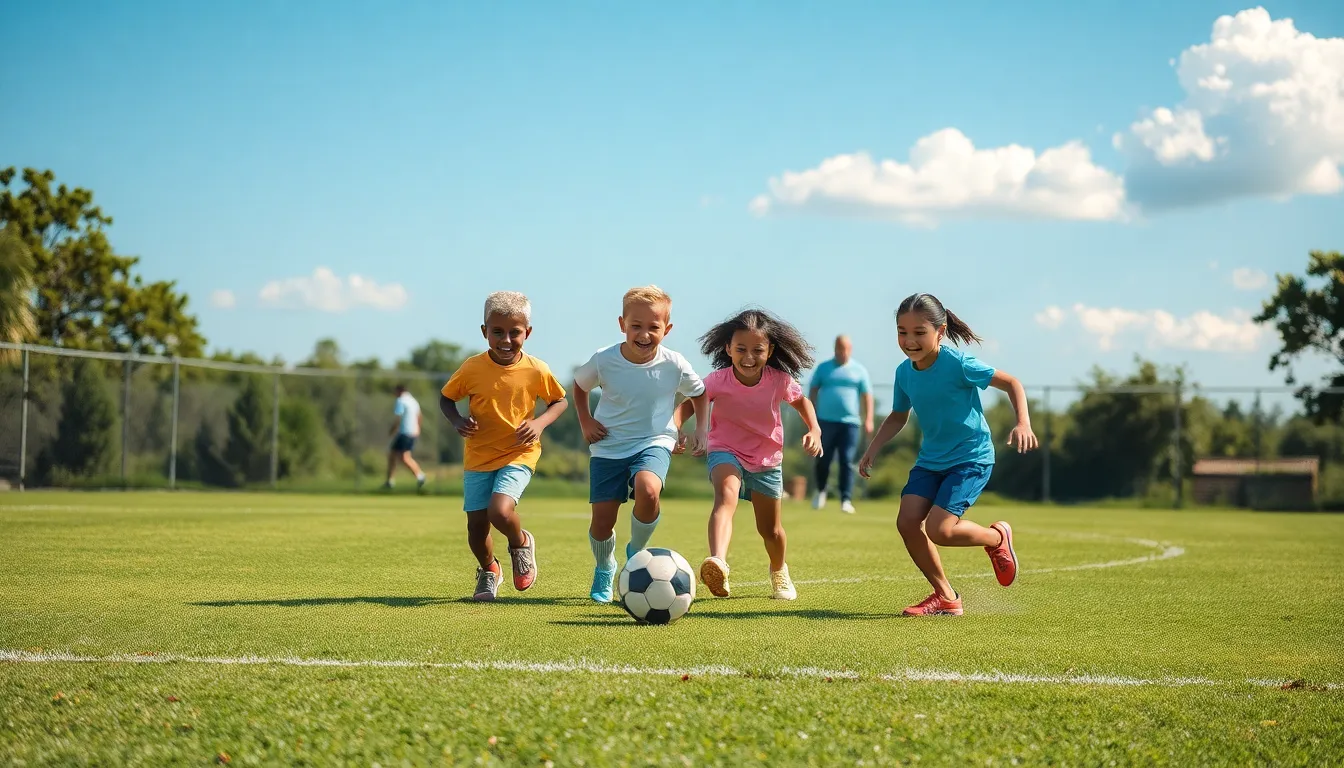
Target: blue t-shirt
838, 390
946, 398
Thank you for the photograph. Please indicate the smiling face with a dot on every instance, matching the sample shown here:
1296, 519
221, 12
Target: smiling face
920, 341
644, 326
505, 334
750, 351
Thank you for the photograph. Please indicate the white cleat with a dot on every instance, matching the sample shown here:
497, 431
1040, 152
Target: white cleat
782, 585
847, 507
820, 501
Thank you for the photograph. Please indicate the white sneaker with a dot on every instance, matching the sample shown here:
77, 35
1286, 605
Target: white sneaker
847, 507
783, 585
820, 501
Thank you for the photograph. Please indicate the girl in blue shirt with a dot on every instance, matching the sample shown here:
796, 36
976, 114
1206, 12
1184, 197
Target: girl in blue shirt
942, 385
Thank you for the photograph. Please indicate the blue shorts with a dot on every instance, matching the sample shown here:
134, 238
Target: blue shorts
613, 479
478, 487
954, 489
402, 443
769, 482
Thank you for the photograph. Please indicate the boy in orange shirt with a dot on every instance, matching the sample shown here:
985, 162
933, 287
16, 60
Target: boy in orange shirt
503, 436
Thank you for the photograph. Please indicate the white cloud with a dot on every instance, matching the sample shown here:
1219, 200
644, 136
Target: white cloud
1247, 279
326, 292
947, 176
223, 299
1202, 331
1263, 115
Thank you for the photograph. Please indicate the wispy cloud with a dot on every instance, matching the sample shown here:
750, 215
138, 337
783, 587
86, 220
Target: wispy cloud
324, 291
1158, 329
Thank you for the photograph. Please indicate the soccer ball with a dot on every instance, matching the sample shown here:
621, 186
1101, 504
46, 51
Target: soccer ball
657, 586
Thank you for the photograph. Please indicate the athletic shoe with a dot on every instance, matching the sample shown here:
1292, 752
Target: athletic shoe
782, 585
487, 583
602, 591
420, 481
1003, 558
714, 573
524, 563
629, 551
847, 507
933, 605
820, 501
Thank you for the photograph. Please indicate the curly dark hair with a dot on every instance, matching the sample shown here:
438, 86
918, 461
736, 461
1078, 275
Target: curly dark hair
792, 354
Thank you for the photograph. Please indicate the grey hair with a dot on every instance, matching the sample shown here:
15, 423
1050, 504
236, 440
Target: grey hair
508, 304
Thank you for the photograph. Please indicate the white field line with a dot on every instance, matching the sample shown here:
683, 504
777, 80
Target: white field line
601, 668
1167, 552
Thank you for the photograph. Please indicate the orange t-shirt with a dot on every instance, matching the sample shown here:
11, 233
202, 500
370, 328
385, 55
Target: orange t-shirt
501, 398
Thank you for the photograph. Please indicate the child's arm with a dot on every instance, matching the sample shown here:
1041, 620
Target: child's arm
699, 443
592, 429
811, 440
465, 427
891, 426
1021, 436
679, 418
530, 430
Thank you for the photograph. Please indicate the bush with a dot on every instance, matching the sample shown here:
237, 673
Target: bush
86, 436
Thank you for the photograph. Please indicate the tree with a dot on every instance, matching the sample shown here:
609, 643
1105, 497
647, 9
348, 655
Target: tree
16, 286
87, 296
248, 450
86, 437
1308, 314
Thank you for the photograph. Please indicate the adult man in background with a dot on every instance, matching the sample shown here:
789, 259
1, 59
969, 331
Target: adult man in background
404, 432
840, 389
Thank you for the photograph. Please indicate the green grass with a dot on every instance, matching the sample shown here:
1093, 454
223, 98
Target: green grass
98, 575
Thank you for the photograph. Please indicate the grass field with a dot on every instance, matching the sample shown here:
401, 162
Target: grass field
179, 628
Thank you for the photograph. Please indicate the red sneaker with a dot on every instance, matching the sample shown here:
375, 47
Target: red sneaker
524, 563
933, 605
1003, 558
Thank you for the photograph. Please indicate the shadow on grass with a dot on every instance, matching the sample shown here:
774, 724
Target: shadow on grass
812, 614
388, 601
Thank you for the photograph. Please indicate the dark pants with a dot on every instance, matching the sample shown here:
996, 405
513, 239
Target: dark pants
838, 441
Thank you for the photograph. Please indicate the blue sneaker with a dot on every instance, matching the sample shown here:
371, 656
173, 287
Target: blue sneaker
602, 590
629, 551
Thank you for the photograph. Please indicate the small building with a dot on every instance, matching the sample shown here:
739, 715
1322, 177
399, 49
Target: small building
1287, 483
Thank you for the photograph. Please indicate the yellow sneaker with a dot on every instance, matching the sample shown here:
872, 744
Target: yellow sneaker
782, 585
714, 573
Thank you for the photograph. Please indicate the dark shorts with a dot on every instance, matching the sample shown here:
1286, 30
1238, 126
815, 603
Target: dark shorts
402, 444
613, 479
954, 489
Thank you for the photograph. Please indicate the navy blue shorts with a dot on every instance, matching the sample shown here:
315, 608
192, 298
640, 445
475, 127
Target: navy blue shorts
613, 479
954, 489
402, 444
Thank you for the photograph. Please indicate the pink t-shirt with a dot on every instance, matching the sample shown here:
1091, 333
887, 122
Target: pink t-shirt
745, 421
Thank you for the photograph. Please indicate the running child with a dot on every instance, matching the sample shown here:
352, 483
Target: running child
757, 359
942, 384
503, 436
631, 437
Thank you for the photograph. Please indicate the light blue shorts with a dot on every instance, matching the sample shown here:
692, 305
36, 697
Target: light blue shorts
478, 487
769, 482
614, 479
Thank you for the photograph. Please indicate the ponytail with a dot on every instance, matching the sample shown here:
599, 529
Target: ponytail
938, 316
959, 332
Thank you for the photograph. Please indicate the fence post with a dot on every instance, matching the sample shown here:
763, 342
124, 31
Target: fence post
125, 414
1177, 472
172, 438
1259, 427
1045, 456
275, 432
23, 427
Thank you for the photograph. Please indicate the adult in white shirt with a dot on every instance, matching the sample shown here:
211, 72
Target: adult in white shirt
404, 432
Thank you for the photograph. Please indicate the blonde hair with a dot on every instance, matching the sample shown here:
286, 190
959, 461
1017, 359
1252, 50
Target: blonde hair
508, 304
649, 295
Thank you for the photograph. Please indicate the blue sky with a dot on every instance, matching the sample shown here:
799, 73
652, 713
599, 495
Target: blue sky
440, 151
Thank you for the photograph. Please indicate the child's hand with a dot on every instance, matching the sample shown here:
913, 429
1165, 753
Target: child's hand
812, 443
1023, 437
528, 433
866, 464
699, 443
593, 430
680, 447
467, 427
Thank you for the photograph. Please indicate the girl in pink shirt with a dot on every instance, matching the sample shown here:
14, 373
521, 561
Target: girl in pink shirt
757, 359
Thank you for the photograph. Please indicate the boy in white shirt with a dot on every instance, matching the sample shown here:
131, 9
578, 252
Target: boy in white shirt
404, 433
631, 437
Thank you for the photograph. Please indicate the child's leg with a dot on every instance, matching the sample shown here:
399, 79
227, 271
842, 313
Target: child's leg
503, 513
910, 522
647, 473
960, 488
771, 527
949, 530
478, 537
411, 464
727, 486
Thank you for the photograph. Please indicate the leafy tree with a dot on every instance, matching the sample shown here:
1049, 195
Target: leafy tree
87, 296
1308, 313
300, 438
16, 286
86, 436
436, 356
247, 453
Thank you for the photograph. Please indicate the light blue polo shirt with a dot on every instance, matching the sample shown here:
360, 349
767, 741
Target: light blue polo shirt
838, 390
946, 398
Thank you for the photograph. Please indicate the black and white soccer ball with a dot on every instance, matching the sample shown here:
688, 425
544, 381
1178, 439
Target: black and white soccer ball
656, 586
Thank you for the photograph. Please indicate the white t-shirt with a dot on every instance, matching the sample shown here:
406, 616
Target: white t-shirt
638, 401
409, 411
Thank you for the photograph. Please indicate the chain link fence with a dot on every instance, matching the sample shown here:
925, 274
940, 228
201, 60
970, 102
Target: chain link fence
72, 418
